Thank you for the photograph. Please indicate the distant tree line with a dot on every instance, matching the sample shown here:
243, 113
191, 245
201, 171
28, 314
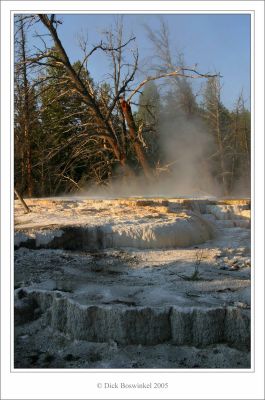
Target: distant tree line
71, 132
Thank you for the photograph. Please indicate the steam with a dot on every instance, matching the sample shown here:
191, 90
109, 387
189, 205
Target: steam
188, 144
184, 170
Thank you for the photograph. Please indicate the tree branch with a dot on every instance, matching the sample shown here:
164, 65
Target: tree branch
180, 72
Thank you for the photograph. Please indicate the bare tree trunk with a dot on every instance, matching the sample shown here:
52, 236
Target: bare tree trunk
20, 198
221, 152
42, 179
213, 107
126, 108
235, 146
26, 116
247, 149
22, 163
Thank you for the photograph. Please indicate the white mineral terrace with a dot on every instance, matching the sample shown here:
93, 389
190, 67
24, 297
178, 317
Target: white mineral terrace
134, 272
97, 224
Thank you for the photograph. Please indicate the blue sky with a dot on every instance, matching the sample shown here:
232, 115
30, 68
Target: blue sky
216, 42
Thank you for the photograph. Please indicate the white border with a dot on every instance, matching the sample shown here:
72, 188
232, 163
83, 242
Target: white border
184, 385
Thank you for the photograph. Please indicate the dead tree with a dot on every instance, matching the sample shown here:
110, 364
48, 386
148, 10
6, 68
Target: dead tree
166, 61
20, 198
213, 115
240, 143
137, 145
104, 127
24, 93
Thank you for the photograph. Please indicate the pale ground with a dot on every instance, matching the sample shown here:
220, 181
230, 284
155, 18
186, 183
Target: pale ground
185, 259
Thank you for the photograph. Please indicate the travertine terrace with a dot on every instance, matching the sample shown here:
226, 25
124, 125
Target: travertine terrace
132, 283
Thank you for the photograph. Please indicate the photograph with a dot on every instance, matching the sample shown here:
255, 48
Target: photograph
132, 191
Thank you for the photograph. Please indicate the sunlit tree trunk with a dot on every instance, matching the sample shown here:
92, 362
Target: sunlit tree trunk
126, 108
26, 114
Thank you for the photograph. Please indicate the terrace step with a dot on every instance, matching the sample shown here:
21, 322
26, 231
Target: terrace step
146, 325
